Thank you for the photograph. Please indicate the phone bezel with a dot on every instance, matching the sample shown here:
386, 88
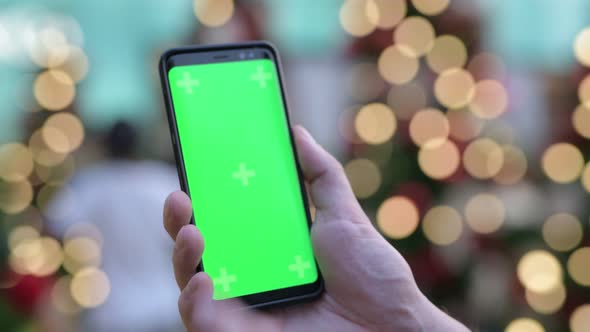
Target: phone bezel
224, 53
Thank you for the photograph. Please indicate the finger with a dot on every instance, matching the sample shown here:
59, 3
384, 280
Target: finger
196, 305
188, 250
328, 185
177, 212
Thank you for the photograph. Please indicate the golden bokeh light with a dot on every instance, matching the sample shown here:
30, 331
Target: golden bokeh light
539, 271
448, 52
454, 88
586, 177
364, 82
90, 287
59, 173
16, 162
524, 325
397, 217
546, 303
429, 128
442, 225
83, 229
76, 64
20, 234
439, 162
375, 123
580, 319
577, 266
562, 162
490, 99
483, 158
584, 91
213, 13
582, 47
562, 232
359, 17
581, 120
407, 99
63, 132
61, 297
464, 126
415, 36
514, 167
42, 154
431, 7
81, 252
485, 213
390, 12
54, 90
15, 197
364, 177
37, 256
50, 49
396, 66
487, 66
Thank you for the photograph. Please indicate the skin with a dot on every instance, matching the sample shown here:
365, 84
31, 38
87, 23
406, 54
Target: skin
369, 286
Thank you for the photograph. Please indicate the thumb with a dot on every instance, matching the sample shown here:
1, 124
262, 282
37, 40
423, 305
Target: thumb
328, 185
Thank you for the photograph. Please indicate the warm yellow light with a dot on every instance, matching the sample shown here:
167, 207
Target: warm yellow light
464, 126
85, 230
390, 12
439, 162
415, 35
429, 128
562, 231
61, 298
563, 162
81, 252
213, 13
546, 303
20, 234
454, 88
584, 91
586, 177
16, 162
15, 196
581, 120
431, 7
397, 217
582, 47
407, 99
490, 99
364, 177
539, 271
514, 167
524, 325
442, 225
396, 66
76, 64
59, 173
483, 158
63, 132
54, 90
359, 17
37, 256
90, 287
580, 319
364, 82
375, 123
448, 52
50, 47
485, 213
42, 154
578, 268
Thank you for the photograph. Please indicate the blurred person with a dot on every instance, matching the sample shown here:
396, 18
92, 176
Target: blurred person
369, 286
122, 197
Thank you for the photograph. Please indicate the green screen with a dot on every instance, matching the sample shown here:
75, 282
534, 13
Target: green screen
242, 176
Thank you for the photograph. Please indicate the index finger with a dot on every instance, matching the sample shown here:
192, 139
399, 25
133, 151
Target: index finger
177, 212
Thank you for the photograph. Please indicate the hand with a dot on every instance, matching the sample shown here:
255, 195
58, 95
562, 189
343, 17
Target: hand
369, 286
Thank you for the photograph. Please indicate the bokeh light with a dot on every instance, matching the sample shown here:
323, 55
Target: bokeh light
49, 48
37, 256
15, 196
407, 99
16, 162
90, 287
61, 297
584, 91
490, 99
397, 217
42, 154
483, 158
586, 177
563, 162
580, 319
364, 177
464, 126
431, 7
539, 271
213, 13
76, 64
577, 266
514, 166
562, 231
582, 47
441, 161
375, 123
429, 128
415, 36
448, 52
442, 225
546, 303
524, 325
63, 132
20, 234
485, 213
359, 17
397, 66
454, 88
390, 12
581, 120
54, 90
81, 252
85, 230
59, 173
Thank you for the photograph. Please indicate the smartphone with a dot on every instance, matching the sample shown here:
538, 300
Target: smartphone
236, 160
